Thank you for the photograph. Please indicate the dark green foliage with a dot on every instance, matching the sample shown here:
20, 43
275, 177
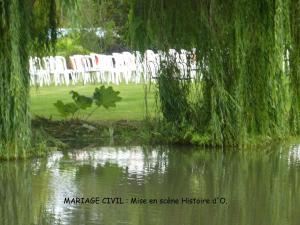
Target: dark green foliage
81, 101
66, 109
108, 15
26, 27
294, 117
106, 97
173, 93
241, 90
102, 96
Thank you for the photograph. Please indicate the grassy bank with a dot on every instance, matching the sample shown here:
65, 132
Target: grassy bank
120, 125
76, 134
123, 125
130, 108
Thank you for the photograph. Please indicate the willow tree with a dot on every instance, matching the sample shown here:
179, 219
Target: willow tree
295, 66
26, 27
241, 47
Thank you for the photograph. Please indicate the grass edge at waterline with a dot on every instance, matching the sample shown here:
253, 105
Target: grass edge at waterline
46, 138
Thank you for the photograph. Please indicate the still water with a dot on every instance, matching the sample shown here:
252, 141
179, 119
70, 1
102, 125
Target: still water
232, 187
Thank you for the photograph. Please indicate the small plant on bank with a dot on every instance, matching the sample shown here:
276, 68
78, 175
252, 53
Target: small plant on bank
102, 96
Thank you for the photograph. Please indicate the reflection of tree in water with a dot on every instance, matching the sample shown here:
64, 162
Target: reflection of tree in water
258, 185
111, 172
15, 194
23, 194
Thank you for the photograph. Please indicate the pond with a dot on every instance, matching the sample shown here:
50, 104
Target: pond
155, 186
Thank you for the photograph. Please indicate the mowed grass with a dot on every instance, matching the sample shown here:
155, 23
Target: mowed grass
131, 107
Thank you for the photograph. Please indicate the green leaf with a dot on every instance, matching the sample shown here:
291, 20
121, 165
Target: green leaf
66, 109
106, 97
81, 101
60, 108
71, 108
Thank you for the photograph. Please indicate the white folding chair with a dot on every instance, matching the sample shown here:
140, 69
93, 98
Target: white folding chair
62, 70
130, 66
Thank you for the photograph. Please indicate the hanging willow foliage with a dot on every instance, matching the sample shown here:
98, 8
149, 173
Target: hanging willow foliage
241, 47
26, 27
295, 66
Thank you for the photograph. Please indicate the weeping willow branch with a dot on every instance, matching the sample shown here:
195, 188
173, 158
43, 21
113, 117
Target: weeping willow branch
26, 27
295, 66
242, 58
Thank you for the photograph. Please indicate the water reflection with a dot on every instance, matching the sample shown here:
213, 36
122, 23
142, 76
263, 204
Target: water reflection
294, 155
260, 187
133, 160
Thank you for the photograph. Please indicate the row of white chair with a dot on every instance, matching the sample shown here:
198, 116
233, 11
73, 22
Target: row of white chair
99, 68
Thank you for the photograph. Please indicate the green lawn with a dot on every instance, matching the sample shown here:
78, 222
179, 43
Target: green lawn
130, 108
